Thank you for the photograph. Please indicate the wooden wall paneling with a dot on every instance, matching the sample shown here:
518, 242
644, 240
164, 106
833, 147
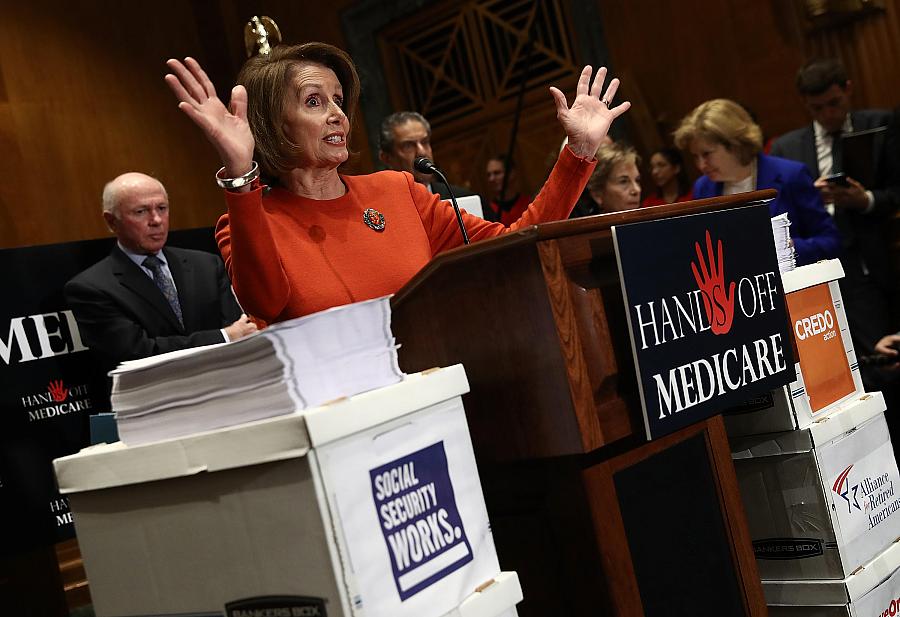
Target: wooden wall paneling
13, 203
870, 47
83, 97
645, 135
88, 103
461, 63
685, 53
464, 155
84, 100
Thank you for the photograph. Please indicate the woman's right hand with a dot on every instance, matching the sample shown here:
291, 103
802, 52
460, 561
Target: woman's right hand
226, 129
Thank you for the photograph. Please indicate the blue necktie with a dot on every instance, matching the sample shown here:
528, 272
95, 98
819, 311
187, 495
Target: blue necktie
165, 284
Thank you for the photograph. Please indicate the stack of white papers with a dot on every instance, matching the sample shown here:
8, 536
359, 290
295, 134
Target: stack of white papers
287, 367
784, 248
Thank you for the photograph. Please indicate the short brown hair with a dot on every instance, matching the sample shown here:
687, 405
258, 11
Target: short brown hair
267, 80
608, 156
816, 76
725, 122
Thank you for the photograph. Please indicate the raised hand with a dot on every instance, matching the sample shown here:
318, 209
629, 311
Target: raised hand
226, 129
588, 120
717, 302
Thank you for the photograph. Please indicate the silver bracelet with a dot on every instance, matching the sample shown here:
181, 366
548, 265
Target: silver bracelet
236, 183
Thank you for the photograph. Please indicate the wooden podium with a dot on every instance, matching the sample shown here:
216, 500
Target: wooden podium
595, 519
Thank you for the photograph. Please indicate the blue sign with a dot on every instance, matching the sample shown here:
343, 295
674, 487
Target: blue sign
706, 313
418, 516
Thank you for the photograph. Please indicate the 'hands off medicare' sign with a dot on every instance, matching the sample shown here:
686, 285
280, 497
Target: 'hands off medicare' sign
706, 313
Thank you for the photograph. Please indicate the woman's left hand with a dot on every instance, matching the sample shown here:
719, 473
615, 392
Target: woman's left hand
588, 120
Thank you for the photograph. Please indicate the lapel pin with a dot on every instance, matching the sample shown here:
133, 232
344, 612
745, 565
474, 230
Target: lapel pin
374, 219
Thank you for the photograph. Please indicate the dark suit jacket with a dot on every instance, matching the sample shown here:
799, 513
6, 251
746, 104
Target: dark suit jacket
800, 145
812, 230
122, 314
866, 246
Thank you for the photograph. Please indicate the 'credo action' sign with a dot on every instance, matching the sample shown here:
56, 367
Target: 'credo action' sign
706, 313
819, 346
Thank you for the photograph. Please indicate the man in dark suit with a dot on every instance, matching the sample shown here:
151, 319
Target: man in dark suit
145, 298
862, 213
404, 137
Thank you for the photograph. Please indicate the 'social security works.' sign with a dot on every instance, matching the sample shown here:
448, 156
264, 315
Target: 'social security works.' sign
421, 524
706, 313
406, 499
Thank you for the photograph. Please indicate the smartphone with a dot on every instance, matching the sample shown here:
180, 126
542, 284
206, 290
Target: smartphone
840, 179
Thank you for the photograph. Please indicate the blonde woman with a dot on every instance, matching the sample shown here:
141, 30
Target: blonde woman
727, 148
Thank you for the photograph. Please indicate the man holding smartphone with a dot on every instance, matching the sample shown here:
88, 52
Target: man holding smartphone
826, 92
862, 213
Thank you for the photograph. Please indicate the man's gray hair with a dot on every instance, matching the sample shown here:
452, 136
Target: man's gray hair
110, 197
386, 137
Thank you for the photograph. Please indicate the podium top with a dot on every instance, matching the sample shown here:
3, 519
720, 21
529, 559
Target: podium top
576, 227
601, 222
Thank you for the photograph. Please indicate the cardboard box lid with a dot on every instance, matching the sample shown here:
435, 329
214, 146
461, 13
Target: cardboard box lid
813, 274
492, 599
855, 412
352, 415
109, 465
835, 592
263, 441
847, 417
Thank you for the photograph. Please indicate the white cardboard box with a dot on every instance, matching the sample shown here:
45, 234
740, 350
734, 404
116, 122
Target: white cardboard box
824, 351
871, 591
297, 505
824, 500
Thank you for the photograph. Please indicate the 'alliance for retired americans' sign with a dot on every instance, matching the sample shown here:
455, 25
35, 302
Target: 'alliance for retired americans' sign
706, 313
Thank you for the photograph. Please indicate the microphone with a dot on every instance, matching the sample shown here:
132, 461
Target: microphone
426, 166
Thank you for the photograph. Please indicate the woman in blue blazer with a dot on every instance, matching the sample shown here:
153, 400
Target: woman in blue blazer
727, 148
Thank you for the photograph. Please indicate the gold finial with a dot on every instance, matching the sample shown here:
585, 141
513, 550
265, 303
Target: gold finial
260, 35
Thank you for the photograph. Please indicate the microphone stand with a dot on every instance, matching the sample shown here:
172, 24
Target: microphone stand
426, 166
459, 220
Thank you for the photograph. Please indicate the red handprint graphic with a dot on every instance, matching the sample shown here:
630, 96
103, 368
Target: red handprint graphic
58, 390
718, 303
